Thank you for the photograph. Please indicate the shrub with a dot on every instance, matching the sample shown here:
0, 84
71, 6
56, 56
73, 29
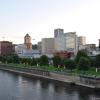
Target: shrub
69, 64
84, 63
44, 60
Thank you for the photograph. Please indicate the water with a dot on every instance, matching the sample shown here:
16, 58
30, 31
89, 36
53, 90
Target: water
17, 87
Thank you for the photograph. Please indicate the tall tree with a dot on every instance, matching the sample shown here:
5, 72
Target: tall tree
79, 55
57, 61
33, 62
84, 63
69, 64
44, 60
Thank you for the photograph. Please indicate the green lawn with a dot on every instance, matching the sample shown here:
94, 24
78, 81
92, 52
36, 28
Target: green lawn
90, 72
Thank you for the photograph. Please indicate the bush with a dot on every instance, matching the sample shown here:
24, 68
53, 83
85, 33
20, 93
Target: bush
44, 60
33, 62
56, 61
84, 63
79, 55
69, 64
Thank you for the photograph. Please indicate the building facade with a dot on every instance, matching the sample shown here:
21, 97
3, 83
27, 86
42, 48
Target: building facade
71, 42
39, 47
6, 48
48, 45
60, 44
64, 54
27, 41
81, 40
65, 41
58, 32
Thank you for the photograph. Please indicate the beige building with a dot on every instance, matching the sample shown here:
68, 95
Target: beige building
48, 45
71, 42
81, 40
27, 41
91, 46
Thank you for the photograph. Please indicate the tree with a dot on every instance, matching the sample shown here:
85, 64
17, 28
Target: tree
9, 59
69, 64
33, 62
29, 60
23, 60
56, 61
3, 59
93, 62
79, 55
98, 60
84, 63
15, 58
44, 60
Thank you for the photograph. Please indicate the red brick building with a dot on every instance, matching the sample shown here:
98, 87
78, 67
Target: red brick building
6, 47
64, 54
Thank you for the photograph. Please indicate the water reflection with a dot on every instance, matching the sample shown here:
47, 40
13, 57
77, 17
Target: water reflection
16, 87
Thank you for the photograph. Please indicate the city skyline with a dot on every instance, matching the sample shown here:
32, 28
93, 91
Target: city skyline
40, 18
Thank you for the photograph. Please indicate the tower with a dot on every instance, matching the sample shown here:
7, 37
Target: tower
27, 41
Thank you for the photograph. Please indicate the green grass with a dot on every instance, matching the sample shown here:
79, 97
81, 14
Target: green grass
90, 72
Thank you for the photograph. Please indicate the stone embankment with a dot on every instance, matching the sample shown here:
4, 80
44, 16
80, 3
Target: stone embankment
90, 82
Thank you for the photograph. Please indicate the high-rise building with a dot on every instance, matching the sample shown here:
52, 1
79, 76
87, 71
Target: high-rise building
65, 41
48, 45
60, 44
59, 40
71, 42
39, 47
27, 41
58, 32
6, 48
81, 40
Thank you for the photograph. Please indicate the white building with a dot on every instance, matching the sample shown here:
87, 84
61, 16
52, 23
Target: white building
20, 48
71, 42
59, 40
23, 52
65, 41
25, 49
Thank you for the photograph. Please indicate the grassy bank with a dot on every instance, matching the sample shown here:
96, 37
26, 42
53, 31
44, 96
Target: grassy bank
90, 72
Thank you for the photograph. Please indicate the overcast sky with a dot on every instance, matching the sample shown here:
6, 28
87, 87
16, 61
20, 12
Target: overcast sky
39, 18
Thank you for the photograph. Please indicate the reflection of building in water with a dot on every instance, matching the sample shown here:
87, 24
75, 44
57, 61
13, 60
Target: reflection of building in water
27, 41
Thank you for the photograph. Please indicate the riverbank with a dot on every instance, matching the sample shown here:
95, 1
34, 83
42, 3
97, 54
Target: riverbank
51, 76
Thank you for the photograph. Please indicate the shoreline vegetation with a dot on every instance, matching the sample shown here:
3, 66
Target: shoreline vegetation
61, 70
81, 70
60, 76
81, 64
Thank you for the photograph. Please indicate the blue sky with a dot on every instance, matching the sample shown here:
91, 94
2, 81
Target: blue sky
39, 18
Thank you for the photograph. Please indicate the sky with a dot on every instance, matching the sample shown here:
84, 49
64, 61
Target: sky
39, 18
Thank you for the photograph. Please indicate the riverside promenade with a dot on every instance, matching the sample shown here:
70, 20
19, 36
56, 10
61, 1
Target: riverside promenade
93, 83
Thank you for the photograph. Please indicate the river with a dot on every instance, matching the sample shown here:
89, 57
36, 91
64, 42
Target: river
17, 87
